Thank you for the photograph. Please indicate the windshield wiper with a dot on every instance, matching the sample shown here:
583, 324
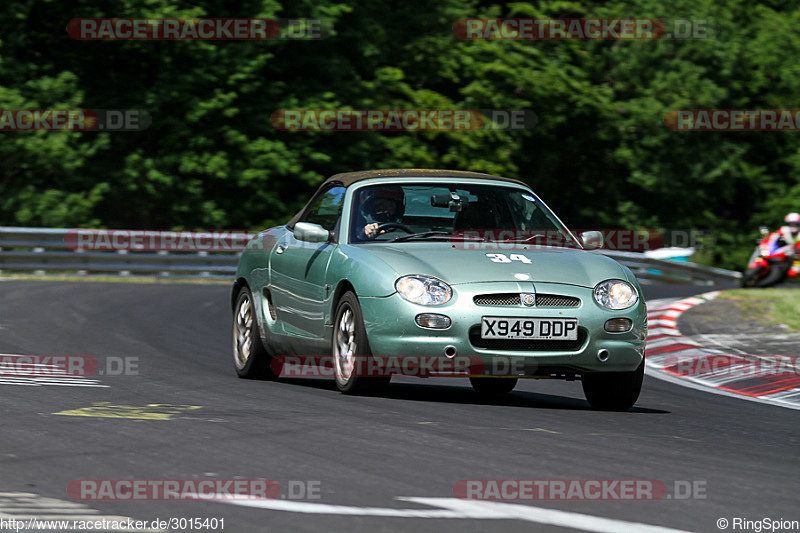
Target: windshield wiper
438, 234
566, 244
423, 235
527, 239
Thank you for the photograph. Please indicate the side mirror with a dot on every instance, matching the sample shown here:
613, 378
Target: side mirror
592, 240
305, 231
764, 230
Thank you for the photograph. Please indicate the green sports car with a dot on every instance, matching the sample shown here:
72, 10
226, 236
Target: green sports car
389, 270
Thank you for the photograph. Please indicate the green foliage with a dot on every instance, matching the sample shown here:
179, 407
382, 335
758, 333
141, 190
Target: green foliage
600, 153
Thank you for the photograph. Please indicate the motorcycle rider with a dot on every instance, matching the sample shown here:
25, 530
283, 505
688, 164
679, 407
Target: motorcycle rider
776, 256
790, 231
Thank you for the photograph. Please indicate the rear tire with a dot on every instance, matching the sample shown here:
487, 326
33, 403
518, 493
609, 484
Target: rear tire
351, 352
250, 359
613, 391
493, 386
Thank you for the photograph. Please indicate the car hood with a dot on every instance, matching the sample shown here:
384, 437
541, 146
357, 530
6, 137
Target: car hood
457, 265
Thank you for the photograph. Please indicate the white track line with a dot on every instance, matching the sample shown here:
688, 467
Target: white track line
27, 508
455, 508
41, 375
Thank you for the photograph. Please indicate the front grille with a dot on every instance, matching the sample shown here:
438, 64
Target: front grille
556, 300
526, 345
513, 299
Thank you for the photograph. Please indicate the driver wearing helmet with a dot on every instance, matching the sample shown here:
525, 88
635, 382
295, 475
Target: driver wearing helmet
790, 231
383, 204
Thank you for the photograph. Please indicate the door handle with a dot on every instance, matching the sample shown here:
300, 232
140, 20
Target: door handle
281, 247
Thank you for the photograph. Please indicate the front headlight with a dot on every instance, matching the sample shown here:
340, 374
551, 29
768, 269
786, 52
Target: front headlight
615, 294
423, 290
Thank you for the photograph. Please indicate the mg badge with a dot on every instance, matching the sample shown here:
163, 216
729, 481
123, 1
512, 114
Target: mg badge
528, 299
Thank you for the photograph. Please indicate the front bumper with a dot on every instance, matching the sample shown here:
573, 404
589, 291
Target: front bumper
392, 331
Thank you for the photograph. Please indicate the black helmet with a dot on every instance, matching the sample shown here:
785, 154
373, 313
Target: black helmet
372, 209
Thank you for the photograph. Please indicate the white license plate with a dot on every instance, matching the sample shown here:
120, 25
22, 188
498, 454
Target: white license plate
495, 327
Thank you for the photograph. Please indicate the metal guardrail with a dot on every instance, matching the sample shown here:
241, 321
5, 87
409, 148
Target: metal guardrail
644, 267
52, 251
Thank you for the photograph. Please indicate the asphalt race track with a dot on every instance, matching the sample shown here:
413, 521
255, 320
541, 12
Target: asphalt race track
363, 453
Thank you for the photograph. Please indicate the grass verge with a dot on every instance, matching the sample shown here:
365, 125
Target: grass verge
780, 306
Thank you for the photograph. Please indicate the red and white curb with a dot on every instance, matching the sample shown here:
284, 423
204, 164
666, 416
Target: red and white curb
672, 357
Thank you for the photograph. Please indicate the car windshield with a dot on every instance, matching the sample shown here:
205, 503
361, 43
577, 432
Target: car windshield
411, 212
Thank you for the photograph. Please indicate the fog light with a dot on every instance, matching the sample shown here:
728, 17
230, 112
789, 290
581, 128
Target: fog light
618, 325
433, 321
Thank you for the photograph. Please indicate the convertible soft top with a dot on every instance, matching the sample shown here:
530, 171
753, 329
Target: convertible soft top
349, 178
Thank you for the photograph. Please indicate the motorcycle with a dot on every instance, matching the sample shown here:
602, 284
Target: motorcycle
772, 261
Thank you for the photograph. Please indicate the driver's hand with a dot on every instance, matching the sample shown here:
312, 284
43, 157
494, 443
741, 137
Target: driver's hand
371, 230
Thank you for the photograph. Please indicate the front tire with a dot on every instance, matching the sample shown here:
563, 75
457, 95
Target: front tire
613, 391
250, 359
493, 386
351, 352
776, 274
750, 278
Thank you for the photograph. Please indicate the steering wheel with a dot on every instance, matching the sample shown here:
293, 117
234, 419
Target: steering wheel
393, 225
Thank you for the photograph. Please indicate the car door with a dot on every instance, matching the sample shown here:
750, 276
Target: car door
299, 273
